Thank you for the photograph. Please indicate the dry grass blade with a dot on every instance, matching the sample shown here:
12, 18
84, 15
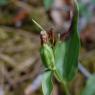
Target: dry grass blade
8, 60
26, 64
38, 25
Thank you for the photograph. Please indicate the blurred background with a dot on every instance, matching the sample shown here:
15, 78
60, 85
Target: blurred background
20, 64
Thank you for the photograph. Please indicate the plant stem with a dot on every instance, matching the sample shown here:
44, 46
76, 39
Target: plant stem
63, 82
66, 88
84, 71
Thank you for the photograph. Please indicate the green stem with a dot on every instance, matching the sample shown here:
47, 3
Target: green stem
63, 82
66, 88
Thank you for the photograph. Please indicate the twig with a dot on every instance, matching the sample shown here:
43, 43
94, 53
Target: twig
26, 64
8, 60
34, 86
22, 5
1, 90
84, 71
7, 77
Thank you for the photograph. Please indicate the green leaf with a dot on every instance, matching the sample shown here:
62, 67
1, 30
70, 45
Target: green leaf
47, 85
48, 4
67, 52
59, 53
72, 48
90, 86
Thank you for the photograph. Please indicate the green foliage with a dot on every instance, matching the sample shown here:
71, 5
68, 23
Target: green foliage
59, 53
90, 86
62, 58
3, 2
66, 53
47, 84
48, 4
72, 48
47, 57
